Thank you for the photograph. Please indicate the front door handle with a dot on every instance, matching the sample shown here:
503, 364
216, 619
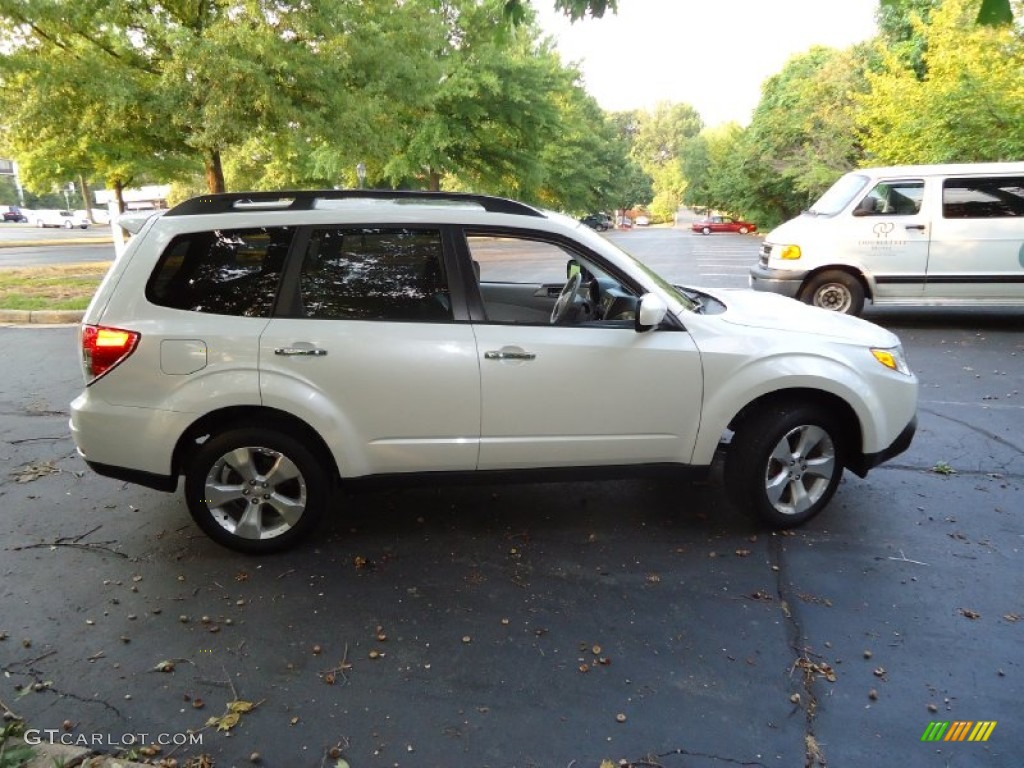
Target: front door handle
507, 354
914, 226
291, 351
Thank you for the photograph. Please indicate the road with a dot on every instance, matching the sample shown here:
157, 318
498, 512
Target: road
22, 245
545, 624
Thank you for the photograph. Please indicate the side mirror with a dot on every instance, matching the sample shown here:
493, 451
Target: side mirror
650, 312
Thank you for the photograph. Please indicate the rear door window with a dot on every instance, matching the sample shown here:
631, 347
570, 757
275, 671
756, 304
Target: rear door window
375, 273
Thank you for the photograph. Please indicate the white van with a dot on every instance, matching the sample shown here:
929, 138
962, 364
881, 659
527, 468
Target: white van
912, 235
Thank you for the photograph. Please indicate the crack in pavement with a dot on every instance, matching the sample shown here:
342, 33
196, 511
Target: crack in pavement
813, 755
983, 432
709, 756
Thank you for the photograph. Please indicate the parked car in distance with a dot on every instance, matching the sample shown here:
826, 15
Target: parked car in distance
269, 346
598, 221
723, 224
13, 213
642, 221
65, 219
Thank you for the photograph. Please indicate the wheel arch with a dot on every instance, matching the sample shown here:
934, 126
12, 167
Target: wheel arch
866, 282
243, 416
827, 401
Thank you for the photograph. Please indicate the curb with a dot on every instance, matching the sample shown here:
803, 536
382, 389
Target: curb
49, 755
41, 316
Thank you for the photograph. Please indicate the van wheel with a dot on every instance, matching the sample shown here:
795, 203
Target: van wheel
836, 291
784, 464
256, 490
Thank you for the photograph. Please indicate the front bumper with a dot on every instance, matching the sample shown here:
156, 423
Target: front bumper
783, 281
860, 465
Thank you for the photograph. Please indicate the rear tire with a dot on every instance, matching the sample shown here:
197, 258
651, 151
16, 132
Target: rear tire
836, 291
785, 463
256, 490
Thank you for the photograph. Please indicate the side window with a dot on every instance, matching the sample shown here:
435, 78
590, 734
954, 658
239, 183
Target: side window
223, 272
892, 198
375, 274
521, 278
983, 198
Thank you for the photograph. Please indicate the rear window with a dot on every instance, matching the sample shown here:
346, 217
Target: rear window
223, 272
996, 197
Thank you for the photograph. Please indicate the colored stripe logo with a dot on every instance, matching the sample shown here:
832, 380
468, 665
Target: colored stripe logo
959, 730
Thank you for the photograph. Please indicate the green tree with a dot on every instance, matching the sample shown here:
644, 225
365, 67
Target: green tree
970, 108
493, 108
161, 82
705, 163
802, 135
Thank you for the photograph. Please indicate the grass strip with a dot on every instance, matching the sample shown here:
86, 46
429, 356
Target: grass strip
58, 286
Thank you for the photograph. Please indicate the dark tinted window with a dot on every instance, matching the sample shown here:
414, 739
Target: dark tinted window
375, 274
224, 272
983, 198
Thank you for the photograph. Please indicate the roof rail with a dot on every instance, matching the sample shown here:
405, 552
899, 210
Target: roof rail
305, 200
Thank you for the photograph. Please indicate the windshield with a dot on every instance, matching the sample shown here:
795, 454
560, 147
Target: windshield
839, 195
689, 302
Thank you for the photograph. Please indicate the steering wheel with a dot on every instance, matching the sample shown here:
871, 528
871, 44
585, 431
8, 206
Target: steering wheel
566, 298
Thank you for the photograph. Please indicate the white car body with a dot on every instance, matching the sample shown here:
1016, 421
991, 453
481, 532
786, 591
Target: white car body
62, 219
427, 397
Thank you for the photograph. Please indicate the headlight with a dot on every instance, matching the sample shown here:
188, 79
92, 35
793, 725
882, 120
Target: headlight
789, 252
893, 358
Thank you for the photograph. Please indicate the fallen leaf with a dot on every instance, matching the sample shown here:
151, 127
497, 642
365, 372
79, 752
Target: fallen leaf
967, 612
34, 471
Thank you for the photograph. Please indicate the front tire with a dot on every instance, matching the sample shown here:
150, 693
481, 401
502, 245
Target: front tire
785, 463
256, 490
706, 230
836, 291
743, 230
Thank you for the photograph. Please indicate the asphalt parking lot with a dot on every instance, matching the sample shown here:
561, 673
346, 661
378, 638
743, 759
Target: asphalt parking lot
534, 625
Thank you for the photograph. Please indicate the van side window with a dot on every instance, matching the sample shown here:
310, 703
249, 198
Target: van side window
983, 197
892, 198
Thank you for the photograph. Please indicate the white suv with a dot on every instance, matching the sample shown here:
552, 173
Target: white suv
268, 345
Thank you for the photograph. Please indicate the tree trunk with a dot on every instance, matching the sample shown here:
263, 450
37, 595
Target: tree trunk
434, 181
119, 194
83, 187
214, 172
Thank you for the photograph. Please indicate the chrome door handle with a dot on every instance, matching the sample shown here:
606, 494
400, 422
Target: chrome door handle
311, 351
504, 355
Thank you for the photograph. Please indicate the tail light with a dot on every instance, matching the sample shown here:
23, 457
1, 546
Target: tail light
104, 348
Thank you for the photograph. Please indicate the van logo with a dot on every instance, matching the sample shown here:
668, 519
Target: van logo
884, 228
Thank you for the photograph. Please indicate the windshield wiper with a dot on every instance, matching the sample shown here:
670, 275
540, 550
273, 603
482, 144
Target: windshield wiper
698, 305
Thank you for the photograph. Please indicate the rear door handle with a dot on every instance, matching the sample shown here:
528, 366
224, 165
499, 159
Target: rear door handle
914, 226
292, 351
507, 354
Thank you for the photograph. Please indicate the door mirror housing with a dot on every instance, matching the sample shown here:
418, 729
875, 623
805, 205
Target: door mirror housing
650, 312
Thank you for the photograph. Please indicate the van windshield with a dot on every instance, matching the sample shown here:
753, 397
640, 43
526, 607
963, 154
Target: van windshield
839, 195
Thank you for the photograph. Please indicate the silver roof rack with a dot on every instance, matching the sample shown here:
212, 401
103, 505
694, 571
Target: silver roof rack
306, 200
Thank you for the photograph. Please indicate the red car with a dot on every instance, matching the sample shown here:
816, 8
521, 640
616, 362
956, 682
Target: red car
723, 224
